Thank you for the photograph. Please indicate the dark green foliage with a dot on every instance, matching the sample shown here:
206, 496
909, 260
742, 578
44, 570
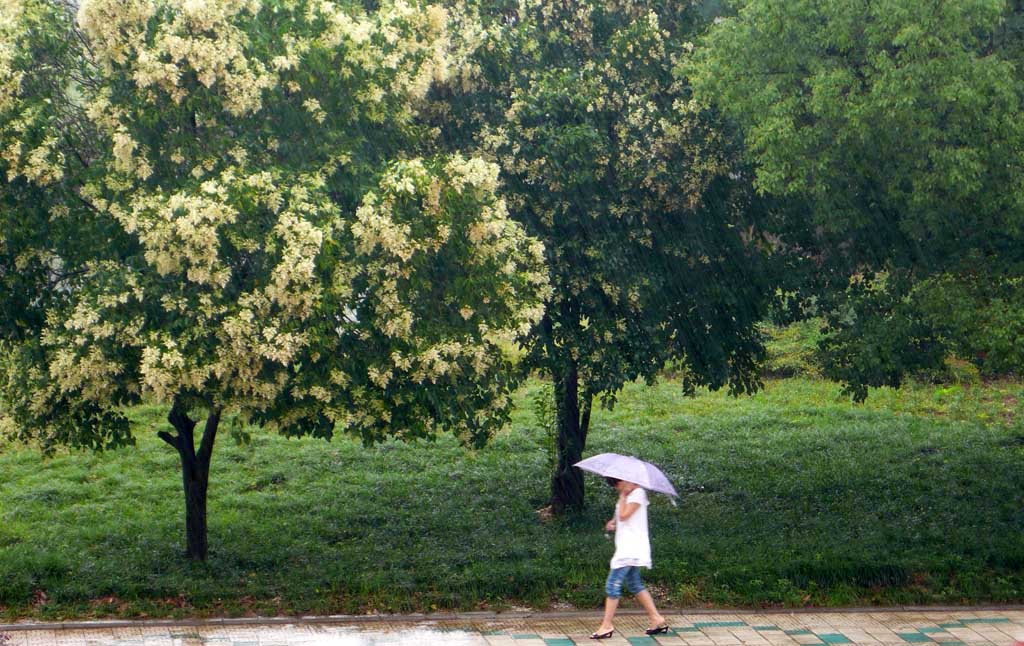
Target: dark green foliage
894, 128
893, 327
879, 338
980, 315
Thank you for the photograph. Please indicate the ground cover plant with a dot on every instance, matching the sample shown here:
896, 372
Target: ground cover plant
791, 497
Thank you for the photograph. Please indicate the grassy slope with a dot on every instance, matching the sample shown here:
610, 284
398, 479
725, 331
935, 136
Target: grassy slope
791, 497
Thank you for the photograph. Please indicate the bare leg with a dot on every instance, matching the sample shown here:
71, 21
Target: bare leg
645, 599
610, 606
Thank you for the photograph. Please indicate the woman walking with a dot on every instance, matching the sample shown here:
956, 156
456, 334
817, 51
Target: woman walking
632, 552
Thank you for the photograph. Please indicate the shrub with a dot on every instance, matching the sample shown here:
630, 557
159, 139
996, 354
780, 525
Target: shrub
793, 349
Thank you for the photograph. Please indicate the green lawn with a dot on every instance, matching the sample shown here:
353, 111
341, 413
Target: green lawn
791, 497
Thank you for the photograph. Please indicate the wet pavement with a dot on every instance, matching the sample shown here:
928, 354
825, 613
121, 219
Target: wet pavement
907, 627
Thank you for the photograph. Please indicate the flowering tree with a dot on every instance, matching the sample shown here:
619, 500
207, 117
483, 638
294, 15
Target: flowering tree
634, 189
246, 223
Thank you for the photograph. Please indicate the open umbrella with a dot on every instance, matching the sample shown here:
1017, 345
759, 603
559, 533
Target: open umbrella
630, 469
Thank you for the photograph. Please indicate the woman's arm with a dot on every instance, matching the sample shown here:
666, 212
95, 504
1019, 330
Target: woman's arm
627, 509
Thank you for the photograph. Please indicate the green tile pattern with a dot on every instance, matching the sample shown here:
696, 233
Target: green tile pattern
642, 641
559, 641
527, 636
801, 631
930, 629
719, 624
834, 638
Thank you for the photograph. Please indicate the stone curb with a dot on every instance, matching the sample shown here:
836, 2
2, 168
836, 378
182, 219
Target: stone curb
464, 616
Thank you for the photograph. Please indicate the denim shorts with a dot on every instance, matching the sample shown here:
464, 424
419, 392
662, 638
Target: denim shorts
630, 575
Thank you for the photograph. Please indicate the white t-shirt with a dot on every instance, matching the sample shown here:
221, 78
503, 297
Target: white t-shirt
632, 544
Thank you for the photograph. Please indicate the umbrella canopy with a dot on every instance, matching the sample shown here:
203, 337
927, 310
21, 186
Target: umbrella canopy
630, 469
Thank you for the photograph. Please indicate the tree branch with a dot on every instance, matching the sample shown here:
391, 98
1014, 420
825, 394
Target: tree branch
209, 435
588, 402
167, 437
179, 419
86, 202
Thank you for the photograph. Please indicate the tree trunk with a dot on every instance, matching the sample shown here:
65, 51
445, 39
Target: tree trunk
567, 493
195, 472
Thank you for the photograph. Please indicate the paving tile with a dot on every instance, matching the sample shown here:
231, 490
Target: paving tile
997, 638
688, 620
862, 638
759, 620
966, 635
788, 622
723, 633
1014, 630
834, 638
718, 624
914, 637
964, 627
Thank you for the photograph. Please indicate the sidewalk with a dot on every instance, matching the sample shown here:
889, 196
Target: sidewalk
875, 627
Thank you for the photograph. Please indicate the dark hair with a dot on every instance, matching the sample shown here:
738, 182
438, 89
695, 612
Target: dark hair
611, 481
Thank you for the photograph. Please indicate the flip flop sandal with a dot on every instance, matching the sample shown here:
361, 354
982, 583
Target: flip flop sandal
660, 630
602, 635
